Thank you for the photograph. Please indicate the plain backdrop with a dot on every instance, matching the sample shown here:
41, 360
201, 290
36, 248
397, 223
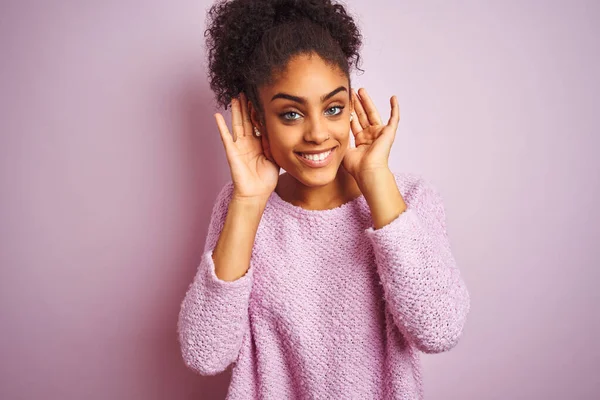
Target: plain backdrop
110, 161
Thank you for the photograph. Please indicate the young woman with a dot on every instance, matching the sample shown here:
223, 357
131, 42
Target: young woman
326, 281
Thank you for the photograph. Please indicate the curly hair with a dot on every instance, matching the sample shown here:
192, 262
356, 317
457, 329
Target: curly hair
250, 42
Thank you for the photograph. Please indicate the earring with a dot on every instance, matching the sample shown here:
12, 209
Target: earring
256, 131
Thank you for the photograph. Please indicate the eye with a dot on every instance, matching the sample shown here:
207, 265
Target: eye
290, 116
338, 108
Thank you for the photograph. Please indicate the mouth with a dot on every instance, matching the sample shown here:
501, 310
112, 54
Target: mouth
317, 160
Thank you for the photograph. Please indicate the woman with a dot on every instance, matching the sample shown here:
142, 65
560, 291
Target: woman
327, 280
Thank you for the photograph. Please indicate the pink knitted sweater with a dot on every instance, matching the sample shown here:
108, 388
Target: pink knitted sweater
329, 308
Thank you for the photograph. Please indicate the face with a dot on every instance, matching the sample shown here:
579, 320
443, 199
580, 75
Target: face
306, 119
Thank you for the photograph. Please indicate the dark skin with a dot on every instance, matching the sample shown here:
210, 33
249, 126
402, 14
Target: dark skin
307, 110
288, 125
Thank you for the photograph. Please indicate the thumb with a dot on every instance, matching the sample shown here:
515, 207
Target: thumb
226, 138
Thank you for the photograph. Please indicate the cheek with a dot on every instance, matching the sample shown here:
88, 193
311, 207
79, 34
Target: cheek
343, 134
279, 144
282, 138
341, 151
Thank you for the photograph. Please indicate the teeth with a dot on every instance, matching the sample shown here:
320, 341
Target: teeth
316, 157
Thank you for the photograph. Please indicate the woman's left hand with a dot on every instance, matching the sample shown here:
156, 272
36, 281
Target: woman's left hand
373, 140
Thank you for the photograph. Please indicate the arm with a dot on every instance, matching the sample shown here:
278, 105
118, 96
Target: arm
233, 251
422, 285
214, 313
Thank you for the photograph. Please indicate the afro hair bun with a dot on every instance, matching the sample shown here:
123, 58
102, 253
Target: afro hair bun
248, 41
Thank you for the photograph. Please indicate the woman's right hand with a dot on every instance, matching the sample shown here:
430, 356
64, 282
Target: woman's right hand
254, 175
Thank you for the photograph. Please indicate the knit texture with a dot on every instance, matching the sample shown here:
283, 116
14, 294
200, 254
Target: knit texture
329, 308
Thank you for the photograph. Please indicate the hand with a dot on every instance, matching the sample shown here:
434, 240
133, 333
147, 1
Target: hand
254, 176
373, 140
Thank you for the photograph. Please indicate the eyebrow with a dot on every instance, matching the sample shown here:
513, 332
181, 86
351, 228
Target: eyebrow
303, 100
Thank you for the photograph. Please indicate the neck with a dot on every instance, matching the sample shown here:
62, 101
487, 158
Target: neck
339, 191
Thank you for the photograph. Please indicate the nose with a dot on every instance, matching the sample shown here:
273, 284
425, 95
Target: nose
316, 131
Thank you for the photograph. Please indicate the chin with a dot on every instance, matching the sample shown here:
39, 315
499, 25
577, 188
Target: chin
315, 177
317, 181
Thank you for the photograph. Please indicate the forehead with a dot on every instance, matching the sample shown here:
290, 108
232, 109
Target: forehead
307, 76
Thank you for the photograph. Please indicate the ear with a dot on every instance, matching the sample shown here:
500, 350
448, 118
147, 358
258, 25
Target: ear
255, 117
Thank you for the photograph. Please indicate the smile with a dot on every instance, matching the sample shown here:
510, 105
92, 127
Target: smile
317, 160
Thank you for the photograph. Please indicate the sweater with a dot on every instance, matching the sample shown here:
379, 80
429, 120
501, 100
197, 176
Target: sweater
330, 308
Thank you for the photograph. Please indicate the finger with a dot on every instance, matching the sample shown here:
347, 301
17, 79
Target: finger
246, 115
394, 114
351, 141
363, 120
224, 131
355, 125
362, 138
236, 119
388, 134
369, 107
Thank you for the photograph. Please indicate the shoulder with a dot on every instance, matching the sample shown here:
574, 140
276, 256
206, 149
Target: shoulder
222, 199
423, 201
225, 192
417, 191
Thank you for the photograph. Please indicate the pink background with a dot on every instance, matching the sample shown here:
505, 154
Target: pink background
110, 161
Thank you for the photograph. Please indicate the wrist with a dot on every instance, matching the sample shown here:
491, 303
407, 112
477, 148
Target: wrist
248, 204
383, 196
373, 178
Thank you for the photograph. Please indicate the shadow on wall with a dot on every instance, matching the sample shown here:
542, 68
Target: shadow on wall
205, 171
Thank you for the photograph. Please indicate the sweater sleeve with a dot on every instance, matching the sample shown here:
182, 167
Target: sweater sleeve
422, 285
214, 313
